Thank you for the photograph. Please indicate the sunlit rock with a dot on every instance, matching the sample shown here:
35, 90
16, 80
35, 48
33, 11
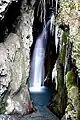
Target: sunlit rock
13, 76
15, 61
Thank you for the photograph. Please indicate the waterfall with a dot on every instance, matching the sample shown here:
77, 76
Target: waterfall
44, 6
56, 37
56, 6
37, 64
52, 25
37, 72
54, 75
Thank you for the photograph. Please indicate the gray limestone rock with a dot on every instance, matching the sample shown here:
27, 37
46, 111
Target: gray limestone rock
15, 61
13, 76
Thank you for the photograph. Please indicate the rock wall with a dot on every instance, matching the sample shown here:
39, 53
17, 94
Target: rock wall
15, 64
70, 15
69, 60
59, 100
73, 96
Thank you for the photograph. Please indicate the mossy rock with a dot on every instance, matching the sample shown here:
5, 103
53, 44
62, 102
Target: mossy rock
70, 79
64, 37
62, 54
73, 100
2, 107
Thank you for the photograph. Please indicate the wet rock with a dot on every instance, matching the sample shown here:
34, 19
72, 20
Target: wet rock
59, 99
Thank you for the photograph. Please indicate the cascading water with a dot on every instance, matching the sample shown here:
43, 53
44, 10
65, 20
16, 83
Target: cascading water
37, 72
39, 93
58, 43
37, 65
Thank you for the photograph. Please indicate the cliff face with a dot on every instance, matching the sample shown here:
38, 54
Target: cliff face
70, 16
14, 56
68, 62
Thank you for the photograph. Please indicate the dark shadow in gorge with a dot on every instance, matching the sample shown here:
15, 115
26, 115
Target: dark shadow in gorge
10, 16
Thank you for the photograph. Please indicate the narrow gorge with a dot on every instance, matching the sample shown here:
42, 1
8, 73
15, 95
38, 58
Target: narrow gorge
39, 60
